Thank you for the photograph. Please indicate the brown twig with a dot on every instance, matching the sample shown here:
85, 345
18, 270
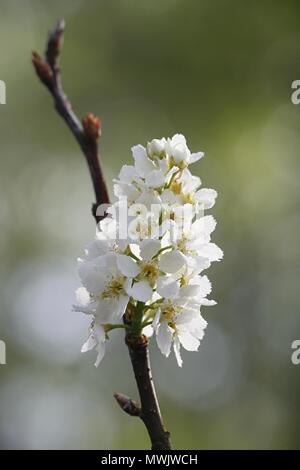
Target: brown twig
87, 134
88, 131
150, 410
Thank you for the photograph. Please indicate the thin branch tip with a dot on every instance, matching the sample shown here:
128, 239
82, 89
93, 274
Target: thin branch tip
87, 131
55, 42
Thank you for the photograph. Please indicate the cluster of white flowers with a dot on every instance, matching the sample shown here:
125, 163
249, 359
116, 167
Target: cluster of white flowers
150, 251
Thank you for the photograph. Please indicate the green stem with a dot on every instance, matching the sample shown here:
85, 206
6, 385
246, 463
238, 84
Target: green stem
132, 255
115, 326
172, 179
161, 250
146, 323
136, 327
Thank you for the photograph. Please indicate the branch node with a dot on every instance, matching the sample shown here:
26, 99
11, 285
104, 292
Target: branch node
91, 126
136, 343
130, 407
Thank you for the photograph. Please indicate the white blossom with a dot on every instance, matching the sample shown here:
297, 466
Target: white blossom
179, 324
150, 251
107, 287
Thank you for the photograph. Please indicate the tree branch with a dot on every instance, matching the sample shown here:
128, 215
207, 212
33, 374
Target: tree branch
87, 134
150, 410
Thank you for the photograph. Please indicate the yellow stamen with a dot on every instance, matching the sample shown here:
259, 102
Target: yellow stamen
150, 271
188, 198
114, 288
176, 187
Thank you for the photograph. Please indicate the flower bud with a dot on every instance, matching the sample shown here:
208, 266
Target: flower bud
156, 148
43, 69
91, 126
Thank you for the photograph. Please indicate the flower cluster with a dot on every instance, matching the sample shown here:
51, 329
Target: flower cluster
150, 251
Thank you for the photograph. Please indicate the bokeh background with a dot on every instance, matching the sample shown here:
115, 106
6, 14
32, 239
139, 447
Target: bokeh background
220, 72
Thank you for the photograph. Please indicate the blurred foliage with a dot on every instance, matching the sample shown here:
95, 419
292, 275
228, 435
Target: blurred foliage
220, 72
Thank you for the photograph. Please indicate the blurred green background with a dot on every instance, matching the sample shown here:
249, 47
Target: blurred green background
220, 72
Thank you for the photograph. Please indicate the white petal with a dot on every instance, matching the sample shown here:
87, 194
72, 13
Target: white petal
107, 225
167, 287
82, 296
149, 248
88, 310
122, 305
106, 310
176, 347
206, 225
168, 196
127, 286
172, 261
211, 251
183, 215
127, 190
164, 337
194, 157
91, 277
127, 266
148, 331
155, 179
143, 164
208, 302
198, 326
204, 285
197, 263
148, 197
156, 319
188, 341
187, 316
190, 182
101, 351
190, 291
98, 332
128, 173
89, 344
141, 291
206, 197
97, 248
178, 139
138, 151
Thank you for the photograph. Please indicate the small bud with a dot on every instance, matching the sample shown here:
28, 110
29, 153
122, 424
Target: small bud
156, 148
91, 126
130, 407
42, 68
